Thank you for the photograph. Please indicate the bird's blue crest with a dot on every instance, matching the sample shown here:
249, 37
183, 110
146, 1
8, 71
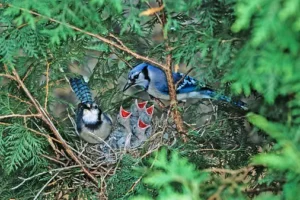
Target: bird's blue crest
81, 89
137, 69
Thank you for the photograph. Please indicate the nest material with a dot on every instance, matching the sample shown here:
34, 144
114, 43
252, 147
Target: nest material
134, 130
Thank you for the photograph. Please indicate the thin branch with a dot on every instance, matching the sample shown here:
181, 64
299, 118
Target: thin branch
125, 61
27, 73
47, 85
183, 77
19, 99
18, 115
53, 159
118, 40
157, 15
42, 173
38, 194
171, 86
103, 39
45, 135
8, 76
260, 190
229, 171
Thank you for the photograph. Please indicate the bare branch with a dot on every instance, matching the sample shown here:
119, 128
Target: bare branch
47, 85
8, 76
157, 15
18, 115
183, 77
171, 86
42, 173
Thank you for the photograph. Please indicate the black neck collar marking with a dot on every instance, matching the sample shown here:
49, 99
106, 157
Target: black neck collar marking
146, 74
93, 126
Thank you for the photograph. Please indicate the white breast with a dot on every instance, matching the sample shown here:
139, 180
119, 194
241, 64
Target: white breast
98, 135
90, 116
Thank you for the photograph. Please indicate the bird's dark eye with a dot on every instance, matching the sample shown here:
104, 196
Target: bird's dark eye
136, 76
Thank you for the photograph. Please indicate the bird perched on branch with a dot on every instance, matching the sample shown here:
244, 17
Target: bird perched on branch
154, 81
91, 124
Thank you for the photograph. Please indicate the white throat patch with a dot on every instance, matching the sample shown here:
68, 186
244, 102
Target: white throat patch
90, 116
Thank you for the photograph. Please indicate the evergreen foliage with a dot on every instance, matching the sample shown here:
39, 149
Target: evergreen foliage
245, 48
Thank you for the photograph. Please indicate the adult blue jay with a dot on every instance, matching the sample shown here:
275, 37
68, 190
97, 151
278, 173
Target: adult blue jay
154, 81
92, 125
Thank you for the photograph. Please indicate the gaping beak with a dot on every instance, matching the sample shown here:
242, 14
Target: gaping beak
128, 85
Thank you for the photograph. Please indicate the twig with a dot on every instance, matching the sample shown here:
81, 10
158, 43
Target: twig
140, 178
103, 39
259, 190
118, 40
47, 85
42, 173
228, 171
39, 133
38, 194
157, 16
19, 99
8, 76
18, 115
27, 73
183, 77
125, 61
172, 90
53, 159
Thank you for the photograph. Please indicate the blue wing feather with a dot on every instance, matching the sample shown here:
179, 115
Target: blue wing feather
187, 84
81, 89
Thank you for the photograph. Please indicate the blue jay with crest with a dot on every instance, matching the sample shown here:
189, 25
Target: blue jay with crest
91, 124
153, 80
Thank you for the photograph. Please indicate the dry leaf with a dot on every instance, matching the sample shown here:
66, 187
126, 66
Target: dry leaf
176, 68
151, 11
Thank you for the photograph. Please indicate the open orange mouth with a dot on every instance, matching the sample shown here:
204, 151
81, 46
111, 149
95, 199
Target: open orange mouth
142, 124
142, 104
150, 110
124, 113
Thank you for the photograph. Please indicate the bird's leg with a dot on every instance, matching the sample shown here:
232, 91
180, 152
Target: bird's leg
158, 101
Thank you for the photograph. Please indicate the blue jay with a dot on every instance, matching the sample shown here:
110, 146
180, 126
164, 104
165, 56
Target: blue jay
153, 80
92, 125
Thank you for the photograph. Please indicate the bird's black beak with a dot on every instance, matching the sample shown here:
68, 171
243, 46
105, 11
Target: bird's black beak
128, 85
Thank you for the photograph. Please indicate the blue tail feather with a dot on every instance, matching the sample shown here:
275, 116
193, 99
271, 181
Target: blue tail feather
81, 89
237, 103
212, 94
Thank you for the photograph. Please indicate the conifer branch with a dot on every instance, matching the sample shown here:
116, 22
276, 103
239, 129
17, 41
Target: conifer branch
18, 115
19, 99
167, 68
42, 173
101, 38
